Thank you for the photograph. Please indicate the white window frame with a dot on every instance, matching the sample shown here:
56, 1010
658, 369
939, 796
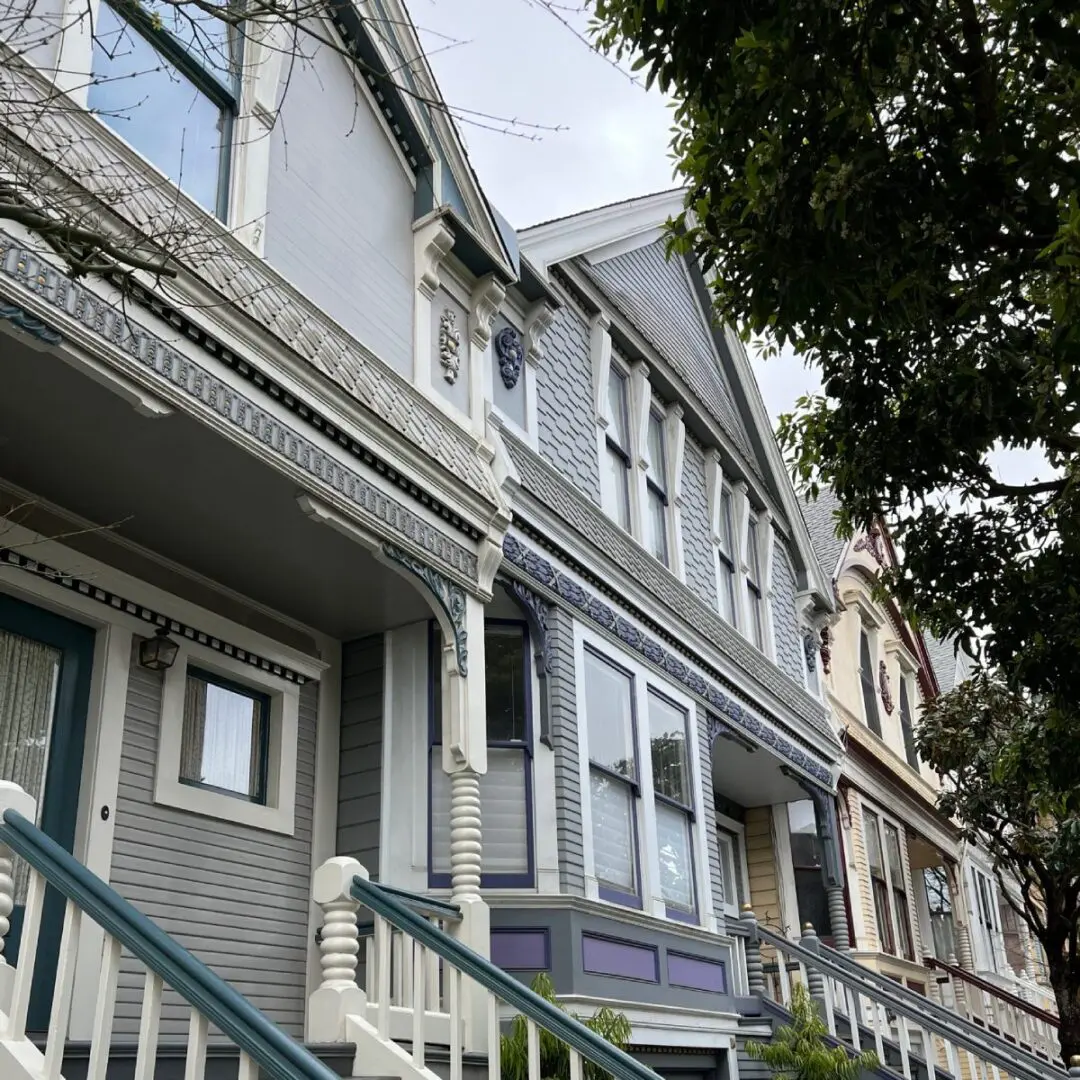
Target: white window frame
278, 813
609, 444
755, 585
724, 530
873, 655
657, 481
912, 906
644, 677
725, 828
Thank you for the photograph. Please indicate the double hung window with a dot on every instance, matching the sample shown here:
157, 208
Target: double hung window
889, 885
806, 863
167, 79
906, 728
939, 906
615, 468
753, 585
656, 514
867, 681
725, 556
674, 804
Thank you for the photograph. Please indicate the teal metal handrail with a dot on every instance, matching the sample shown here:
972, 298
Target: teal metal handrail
279, 1056
575, 1034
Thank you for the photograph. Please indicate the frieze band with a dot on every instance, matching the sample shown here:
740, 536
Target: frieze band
542, 571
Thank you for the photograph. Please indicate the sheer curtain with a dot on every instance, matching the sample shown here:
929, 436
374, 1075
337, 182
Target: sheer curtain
29, 674
220, 745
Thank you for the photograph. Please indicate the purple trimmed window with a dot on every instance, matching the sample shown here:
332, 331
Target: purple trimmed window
613, 778
674, 803
506, 787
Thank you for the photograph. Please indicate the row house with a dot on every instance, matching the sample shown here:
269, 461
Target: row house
374, 531
922, 905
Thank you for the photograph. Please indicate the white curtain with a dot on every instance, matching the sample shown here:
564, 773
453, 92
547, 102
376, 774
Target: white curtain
29, 675
503, 811
676, 865
612, 808
220, 745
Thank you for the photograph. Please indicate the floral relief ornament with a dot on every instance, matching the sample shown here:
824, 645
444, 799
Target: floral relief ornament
449, 345
511, 354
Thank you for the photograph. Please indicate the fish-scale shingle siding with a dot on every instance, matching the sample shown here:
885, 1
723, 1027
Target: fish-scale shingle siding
786, 635
697, 540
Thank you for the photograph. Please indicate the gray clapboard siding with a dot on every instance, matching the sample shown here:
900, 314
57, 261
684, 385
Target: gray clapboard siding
237, 897
340, 208
359, 776
566, 428
698, 554
786, 635
708, 810
564, 737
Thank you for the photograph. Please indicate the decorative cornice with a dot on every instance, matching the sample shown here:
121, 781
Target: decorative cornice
206, 391
449, 596
23, 320
156, 619
586, 519
602, 615
432, 242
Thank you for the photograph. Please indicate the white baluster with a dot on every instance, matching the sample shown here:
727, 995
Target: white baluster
878, 1020
852, 1006
62, 991
12, 797
149, 1025
195, 1066
382, 975
533, 1040
104, 1009
28, 946
905, 1045
338, 994
453, 976
397, 982
495, 1040
576, 1071
248, 1068
369, 966
419, 1004
432, 962
785, 982
408, 955
929, 1052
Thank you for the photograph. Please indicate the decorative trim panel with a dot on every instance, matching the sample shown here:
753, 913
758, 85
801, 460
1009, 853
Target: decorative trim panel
619, 959
116, 329
602, 615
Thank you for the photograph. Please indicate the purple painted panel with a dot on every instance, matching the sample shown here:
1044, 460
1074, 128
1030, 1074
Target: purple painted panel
521, 950
696, 974
620, 959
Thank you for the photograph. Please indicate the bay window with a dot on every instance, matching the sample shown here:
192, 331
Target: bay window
656, 512
613, 778
674, 805
167, 79
725, 555
615, 466
753, 584
867, 681
506, 787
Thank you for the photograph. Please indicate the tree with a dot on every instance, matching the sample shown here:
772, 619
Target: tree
554, 1053
799, 1051
1010, 771
892, 189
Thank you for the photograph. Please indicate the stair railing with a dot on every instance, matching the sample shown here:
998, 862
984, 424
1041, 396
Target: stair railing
262, 1045
398, 913
1015, 1019
861, 1004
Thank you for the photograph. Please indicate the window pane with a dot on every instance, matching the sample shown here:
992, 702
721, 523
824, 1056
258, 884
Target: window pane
727, 530
905, 725
207, 38
892, 850
609, 716
440, 814
160, 112
869, 691
222, 745
802, 833
656, 526
676, 863
873, 844
729, 873
617, 423
656, 451
667, 741
727, 590
612, 806
752, 552
754, 600
503, 805
504, 648
615, 488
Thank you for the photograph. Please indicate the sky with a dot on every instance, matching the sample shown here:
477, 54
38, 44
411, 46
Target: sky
515, 60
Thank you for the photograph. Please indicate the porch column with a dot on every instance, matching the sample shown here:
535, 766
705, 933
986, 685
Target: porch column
464, 760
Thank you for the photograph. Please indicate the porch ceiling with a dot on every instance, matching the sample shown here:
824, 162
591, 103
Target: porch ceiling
177, 488
751, 778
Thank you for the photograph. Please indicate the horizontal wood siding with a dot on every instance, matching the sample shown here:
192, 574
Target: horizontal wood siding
761, 866
237, 897
860, 887
360, 771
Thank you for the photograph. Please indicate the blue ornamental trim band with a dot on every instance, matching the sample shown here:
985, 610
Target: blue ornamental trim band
26, 322
593, 608
450, 597
10, 557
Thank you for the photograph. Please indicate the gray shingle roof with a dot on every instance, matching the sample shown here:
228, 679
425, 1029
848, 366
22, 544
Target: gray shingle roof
943, 660
820, 517
654, 293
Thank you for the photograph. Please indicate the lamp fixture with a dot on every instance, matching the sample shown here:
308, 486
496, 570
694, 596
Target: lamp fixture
159, 652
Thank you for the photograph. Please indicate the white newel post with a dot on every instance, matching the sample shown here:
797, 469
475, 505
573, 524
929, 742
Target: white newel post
338, 994
465, 760
12, 797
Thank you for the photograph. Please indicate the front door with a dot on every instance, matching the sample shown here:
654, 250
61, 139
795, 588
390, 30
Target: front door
45, 664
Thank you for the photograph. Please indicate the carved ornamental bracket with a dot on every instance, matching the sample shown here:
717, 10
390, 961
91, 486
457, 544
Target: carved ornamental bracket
885, 687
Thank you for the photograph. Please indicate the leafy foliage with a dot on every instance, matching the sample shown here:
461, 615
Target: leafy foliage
554, 1053
892, 189
799, 1051
1009, 768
